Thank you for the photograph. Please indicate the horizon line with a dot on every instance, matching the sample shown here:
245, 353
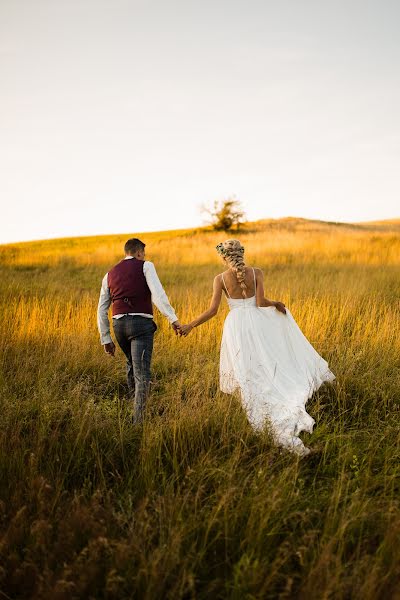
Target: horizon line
205, 227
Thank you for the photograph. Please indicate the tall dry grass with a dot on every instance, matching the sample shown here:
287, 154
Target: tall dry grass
195, 504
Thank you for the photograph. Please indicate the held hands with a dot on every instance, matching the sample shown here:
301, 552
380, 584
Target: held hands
182, 330
185, 330
176, 326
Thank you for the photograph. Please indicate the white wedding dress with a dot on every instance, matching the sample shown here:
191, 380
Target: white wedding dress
267, 358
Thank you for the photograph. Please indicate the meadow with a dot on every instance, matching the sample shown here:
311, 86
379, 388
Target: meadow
195, 505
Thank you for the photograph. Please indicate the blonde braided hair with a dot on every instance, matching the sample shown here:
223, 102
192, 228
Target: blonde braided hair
232, 251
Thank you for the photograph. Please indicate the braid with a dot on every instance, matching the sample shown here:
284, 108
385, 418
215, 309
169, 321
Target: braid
232, 251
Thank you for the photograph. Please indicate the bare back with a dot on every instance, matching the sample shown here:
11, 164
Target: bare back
232, 286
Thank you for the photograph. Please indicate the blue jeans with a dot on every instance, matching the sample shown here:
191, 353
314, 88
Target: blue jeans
134, 335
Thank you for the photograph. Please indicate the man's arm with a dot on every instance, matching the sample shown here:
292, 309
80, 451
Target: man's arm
158, 295
103, 323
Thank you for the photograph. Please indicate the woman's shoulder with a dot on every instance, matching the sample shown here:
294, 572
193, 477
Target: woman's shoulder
250, 269
221, 278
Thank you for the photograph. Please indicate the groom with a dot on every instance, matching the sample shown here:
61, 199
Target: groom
131, 286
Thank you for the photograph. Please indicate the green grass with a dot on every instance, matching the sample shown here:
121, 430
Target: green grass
195, 504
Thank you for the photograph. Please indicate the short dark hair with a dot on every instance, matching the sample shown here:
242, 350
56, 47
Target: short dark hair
133, 245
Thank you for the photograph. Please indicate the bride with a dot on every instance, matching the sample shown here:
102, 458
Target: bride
264, 354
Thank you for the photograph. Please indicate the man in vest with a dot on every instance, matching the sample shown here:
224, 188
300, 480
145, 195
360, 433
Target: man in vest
131, 286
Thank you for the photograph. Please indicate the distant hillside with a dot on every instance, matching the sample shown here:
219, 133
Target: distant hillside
268, 242
284, 224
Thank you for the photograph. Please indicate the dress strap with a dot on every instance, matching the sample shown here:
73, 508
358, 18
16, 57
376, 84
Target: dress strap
255, 283
226, 289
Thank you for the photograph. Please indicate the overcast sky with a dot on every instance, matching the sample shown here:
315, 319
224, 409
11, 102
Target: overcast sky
127, 115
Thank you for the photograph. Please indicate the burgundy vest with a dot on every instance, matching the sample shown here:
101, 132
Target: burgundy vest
128, 287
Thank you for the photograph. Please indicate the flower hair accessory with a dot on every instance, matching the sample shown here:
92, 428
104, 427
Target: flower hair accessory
233, 247
220, 249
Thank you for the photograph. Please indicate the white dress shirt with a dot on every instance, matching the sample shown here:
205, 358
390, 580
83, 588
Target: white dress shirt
158, 297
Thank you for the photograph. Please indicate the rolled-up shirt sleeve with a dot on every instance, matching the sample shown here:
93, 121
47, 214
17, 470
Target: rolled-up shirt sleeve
103, 323
158, 295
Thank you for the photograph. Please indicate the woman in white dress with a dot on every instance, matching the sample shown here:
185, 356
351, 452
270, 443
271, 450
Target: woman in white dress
264, 354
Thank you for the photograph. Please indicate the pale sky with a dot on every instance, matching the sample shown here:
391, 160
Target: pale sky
127, 115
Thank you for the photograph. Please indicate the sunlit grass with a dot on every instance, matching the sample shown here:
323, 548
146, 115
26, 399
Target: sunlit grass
197, 505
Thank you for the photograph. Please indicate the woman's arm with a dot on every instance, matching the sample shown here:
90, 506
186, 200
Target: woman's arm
208, 314
261, 300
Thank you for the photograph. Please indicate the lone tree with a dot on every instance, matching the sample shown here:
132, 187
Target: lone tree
226, 214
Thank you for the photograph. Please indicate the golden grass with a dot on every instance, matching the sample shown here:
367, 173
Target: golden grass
196, 505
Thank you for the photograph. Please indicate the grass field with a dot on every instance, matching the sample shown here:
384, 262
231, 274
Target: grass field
195, 504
